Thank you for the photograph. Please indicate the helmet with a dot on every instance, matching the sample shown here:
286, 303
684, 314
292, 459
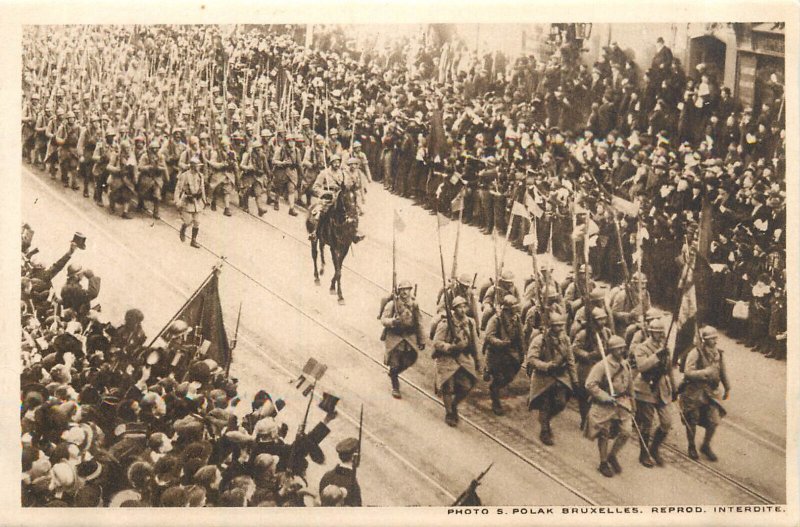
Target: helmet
458, 301
73, 269
464, 279
194, 160
507, 276
404, 284
598, 293
335, 158
110, 132
656, 325
708, 332
333, 131
510, 301
639, 277
353, 161
153, 144
599, 313
615, 342
652, 314
305, 121
266, 133
356, 144
70, 115
557, 319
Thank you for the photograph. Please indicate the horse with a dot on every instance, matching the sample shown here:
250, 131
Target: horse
337, 229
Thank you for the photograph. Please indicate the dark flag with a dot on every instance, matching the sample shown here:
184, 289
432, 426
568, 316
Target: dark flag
695, 279
203, 310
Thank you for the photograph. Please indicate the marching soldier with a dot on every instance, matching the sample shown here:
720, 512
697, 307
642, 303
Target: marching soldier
597, 299
536, 316
580, 286
87, 142
171, 152
151, 180
505, 287
255, 178
285, 161
551, 366
105, 155
587, 352
456, 357
626, 303
655, 386
401, 321
51, 152
464, 288
635, 333
190, 198
700, 394
121, 186
613, 406
67, 139
223, 176
504, 349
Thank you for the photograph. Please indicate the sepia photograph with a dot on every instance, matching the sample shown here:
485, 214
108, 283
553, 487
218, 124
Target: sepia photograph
533, 269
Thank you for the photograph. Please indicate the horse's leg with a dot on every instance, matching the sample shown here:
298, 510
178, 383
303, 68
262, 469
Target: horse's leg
334, 258
339, 265
314, 257
321, 256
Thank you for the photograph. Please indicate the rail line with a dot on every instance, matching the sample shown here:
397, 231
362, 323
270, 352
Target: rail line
525, 449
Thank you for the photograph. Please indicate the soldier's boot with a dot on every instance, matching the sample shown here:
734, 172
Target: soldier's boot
393, 375
602, 447
705, 448
155, 210
227, 212
194, 243
140, 205
449, 416
226, 199
494, 392
85, 186
690, 430
213, 203
183, 233
73, 176
619, 442
583, 409
644, 457
658, 438
243, 198
125, 215
545, 433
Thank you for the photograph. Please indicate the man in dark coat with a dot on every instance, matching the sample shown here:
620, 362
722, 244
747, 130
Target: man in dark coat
343, 475
503, 345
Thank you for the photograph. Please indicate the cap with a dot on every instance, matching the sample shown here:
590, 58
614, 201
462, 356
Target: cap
615, 342
347, 446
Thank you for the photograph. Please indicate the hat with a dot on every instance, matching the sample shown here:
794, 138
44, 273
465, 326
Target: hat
404, 284
615, 342
347, 446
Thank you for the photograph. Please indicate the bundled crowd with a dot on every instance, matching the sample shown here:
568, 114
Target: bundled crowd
110, 420
253, 113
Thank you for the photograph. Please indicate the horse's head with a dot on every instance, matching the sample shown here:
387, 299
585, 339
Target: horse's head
345, 209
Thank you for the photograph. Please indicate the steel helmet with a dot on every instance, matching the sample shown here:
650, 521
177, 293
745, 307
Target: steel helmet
615, 342
599, 313
458, 301
404, 284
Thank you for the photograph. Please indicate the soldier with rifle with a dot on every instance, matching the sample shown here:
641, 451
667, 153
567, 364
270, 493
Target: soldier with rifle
655, 389
66, 138
464, 287
151, 177
87, 142
503, 345
121, 182
401, 322
610, 382
456, 358
255, 177
105, 153
587, 349
494, 293
551, 366
171, 151
629, 301
700, 394
636, 333
223, 167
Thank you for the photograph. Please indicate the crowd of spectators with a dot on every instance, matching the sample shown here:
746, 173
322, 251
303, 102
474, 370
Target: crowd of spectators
108, 420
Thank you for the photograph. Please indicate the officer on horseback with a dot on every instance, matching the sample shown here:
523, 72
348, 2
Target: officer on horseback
329, 183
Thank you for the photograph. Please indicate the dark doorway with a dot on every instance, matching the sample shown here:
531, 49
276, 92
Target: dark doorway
709, 51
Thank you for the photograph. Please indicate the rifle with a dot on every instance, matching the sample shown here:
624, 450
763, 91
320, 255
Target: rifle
357, 458
447, 301
470, 490
235, 340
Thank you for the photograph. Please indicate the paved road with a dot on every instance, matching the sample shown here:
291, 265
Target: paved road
411, 457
